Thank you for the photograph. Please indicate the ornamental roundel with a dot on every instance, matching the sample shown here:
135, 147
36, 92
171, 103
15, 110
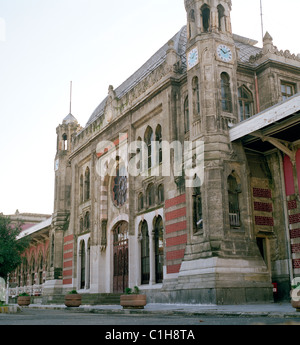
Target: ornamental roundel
119, 187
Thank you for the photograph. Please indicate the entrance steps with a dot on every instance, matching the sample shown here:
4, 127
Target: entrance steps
101, 299
87, 299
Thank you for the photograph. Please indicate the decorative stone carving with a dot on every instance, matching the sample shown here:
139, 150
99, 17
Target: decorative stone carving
268, 47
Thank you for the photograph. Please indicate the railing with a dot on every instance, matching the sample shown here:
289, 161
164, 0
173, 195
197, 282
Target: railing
234, 219
33, 290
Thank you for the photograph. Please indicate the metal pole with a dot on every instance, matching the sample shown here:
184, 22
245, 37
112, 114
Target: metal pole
262, 21
70, 97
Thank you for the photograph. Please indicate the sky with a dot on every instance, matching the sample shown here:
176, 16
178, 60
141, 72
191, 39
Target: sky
45, 44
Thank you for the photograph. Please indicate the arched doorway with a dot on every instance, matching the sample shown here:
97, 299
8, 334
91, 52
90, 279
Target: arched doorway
82, 265
159, 249
145, 254
120, 252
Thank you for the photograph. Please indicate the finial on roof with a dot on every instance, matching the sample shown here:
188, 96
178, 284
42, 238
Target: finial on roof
268, 38
171, 54
267, 43
111, 92
69, 119
171, 44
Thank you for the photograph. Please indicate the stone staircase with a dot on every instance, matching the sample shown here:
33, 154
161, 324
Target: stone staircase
101, 299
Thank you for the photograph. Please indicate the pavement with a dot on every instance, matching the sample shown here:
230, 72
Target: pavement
282, 310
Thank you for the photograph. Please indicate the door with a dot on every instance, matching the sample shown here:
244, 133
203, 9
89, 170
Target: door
145, 254
82, 267
159, 249
120, 253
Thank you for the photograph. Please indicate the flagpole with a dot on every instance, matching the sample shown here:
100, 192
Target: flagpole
70, 97
262, 21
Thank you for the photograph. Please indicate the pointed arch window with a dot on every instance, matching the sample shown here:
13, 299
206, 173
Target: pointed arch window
87, 177
149, 138
233, 197
145, 254
87, 221
150, 195
65, 142
226, 93
161, 196
119, 185
196, 96
81, 189
205, 13
245, 103
140, 201
81, 225
186, 116
139, 153
192, 21
221, 18
158, 139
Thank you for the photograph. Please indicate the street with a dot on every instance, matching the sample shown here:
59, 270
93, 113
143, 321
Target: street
70, 317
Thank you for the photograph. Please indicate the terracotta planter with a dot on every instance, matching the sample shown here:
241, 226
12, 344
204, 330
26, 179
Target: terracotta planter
133, 301
23, 301
73, 300
295, 299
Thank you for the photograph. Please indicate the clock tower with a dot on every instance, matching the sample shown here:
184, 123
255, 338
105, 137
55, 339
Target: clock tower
62, 202
224, 249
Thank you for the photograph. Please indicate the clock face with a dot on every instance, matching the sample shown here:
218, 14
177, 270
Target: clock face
193, 58
224, 53
56, 164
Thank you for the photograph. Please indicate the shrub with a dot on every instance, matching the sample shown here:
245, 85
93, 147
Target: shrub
297, 286
73, 292
128, 291
135, 291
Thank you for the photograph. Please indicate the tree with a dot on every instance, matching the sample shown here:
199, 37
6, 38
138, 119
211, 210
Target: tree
11, 248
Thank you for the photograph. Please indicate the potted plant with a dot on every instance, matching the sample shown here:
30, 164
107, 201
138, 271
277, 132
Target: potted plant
295, 294
24, 299
73, 299
133, 299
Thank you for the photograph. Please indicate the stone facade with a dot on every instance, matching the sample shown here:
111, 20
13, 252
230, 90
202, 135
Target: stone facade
223, 240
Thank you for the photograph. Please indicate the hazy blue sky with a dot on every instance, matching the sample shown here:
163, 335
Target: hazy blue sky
46, 43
